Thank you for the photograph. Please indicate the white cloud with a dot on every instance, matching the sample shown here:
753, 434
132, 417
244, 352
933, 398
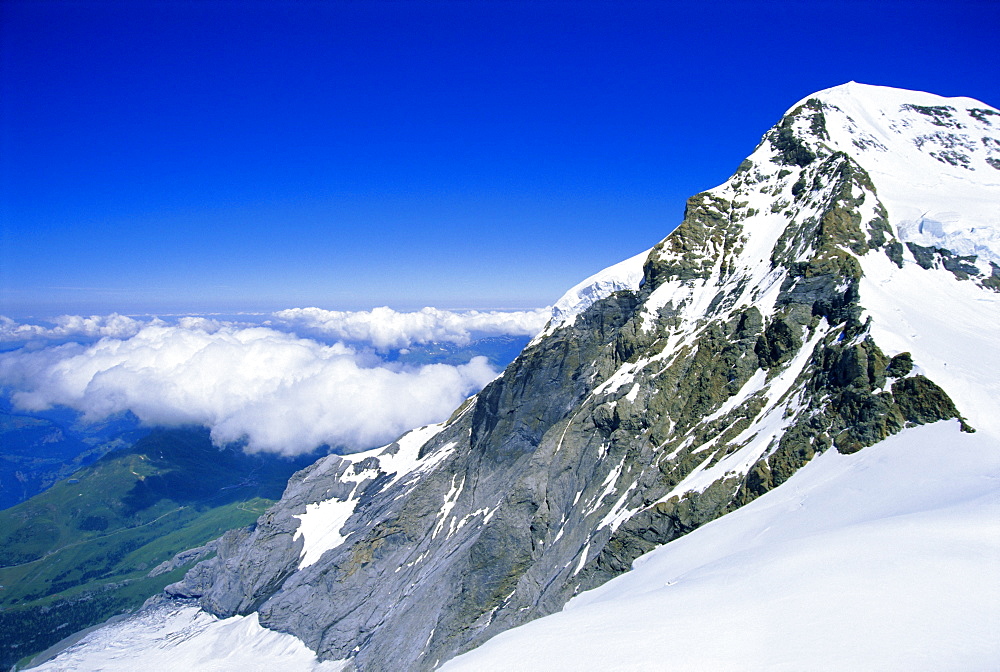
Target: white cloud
95, 326
264, 384
386, 328
382, 328
279, 392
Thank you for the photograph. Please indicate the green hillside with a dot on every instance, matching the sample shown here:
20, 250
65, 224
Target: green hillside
39, 449
81, 551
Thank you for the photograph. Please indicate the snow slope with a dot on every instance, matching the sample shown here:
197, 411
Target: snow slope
882, 560
951, 327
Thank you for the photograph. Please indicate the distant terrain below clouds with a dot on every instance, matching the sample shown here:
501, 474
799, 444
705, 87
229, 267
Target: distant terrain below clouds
280, 385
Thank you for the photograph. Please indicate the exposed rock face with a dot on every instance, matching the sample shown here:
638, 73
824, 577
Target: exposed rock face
744, 351
185, 557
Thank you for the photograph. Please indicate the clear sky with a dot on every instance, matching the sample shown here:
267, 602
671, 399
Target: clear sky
221, 156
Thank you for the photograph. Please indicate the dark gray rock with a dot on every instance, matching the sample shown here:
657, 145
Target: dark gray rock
921, 401
900, 365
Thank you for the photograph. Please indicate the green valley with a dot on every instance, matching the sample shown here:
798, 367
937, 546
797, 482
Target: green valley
94, 545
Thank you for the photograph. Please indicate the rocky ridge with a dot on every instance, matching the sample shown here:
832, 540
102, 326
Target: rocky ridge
648, 407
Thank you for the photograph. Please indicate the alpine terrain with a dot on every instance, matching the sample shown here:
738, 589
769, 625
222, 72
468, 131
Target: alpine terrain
834, 308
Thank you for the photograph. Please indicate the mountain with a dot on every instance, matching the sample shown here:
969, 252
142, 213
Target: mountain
832, 306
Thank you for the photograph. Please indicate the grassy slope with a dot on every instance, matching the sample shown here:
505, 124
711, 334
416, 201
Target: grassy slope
80, 552
37, 451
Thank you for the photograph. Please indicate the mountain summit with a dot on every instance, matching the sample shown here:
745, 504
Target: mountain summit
840, 290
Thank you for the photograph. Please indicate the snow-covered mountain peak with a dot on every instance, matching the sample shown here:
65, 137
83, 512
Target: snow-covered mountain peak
935, 161
947, 137
930, 163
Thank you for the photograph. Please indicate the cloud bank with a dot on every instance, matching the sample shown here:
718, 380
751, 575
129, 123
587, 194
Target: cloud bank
386, 328
382, 328
70, 326
275, 390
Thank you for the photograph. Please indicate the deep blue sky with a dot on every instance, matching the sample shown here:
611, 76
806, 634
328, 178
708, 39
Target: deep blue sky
198, 156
